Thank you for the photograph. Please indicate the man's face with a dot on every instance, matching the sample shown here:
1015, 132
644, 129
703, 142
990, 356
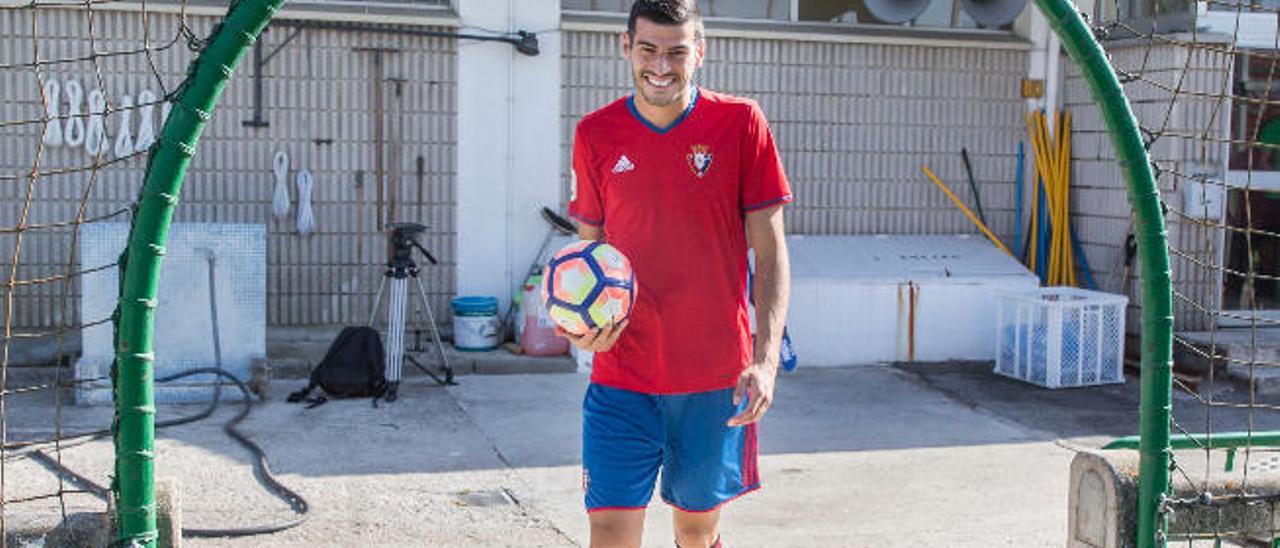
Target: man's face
663, 60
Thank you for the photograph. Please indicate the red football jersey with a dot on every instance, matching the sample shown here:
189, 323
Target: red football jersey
674, 201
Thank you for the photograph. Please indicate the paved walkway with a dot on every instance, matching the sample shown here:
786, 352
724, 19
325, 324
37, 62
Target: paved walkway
858, 457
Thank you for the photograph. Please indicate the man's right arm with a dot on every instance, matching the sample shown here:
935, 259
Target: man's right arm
586, 206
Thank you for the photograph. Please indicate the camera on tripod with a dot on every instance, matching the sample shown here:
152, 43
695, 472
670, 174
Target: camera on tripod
401, 241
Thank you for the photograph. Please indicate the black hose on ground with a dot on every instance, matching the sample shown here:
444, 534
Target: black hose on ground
261, 467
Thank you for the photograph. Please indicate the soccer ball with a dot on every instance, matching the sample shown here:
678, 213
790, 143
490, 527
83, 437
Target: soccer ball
588, 284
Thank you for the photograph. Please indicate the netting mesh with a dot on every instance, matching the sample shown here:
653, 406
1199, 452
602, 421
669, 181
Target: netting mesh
1208, 103
85, 89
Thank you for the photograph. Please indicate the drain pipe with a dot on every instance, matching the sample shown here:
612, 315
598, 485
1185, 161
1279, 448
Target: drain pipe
1044, 65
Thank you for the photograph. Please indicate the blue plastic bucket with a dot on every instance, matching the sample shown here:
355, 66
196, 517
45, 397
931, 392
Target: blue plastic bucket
475, 323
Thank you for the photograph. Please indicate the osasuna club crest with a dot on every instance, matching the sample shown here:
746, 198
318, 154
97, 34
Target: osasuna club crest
699, 160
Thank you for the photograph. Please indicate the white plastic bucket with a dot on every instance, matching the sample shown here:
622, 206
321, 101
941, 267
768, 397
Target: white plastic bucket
475, 323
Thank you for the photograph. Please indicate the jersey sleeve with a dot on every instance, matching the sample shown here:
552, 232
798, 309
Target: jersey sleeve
585, 202
764, 182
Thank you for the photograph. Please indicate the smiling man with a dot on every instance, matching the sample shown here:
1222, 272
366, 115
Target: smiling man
683, 181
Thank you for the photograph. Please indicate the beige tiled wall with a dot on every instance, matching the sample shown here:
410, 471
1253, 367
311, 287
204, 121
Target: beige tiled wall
1187, 125
854, 123
318, 87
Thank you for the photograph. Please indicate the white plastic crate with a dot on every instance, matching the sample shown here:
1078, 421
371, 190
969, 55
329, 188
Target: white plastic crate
1059, 337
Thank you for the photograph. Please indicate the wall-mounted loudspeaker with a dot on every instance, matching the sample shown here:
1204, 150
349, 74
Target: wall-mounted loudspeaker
993, 13
987, 13
893, 11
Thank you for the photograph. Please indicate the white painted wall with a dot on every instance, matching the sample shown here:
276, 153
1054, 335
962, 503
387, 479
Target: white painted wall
508, 143
185, 317
1250, 30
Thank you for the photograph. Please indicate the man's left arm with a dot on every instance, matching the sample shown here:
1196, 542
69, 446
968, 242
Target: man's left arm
771, 287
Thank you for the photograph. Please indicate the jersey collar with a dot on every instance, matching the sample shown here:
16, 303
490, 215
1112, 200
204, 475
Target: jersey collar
631, 104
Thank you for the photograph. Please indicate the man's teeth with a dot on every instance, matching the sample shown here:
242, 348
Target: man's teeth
659, 83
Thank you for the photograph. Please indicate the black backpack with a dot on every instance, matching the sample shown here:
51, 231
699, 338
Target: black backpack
352, 368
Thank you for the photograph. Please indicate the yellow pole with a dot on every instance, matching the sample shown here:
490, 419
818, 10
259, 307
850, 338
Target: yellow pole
1056, 215
1051, 195
1066, 199
966, 211
1064, 243
1036, 176
1059, 234
1046, 167
1060, 223
1064, 266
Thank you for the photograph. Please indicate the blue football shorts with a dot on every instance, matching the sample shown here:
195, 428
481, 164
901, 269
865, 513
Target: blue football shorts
628, 437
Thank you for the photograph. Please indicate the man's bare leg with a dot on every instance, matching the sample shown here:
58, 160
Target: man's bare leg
616, 528
696, 529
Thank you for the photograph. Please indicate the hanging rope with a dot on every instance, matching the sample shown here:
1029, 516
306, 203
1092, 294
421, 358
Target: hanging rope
280, 200
124, 139
53, 125
164, 111
73, 134
146, 128
306, 219
95, 140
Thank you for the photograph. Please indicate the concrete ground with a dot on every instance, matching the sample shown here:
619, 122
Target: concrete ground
940, 454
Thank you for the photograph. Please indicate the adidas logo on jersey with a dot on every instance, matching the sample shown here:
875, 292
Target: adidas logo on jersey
624, 164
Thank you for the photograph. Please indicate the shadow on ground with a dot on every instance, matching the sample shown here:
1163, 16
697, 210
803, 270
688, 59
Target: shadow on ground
488, 422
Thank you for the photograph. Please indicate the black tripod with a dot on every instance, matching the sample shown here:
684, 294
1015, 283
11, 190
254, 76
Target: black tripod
401, 267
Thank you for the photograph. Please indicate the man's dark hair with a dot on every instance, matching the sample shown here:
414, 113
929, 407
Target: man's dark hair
666, 12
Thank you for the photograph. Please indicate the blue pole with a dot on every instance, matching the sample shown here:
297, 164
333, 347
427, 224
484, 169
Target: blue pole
1042, 240
1017, 217
1084, 261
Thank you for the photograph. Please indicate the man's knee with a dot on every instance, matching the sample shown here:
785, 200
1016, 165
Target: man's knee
616, 528
697, 530
699, 538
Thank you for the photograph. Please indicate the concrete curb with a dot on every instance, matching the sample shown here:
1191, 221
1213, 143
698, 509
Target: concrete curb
294, 352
